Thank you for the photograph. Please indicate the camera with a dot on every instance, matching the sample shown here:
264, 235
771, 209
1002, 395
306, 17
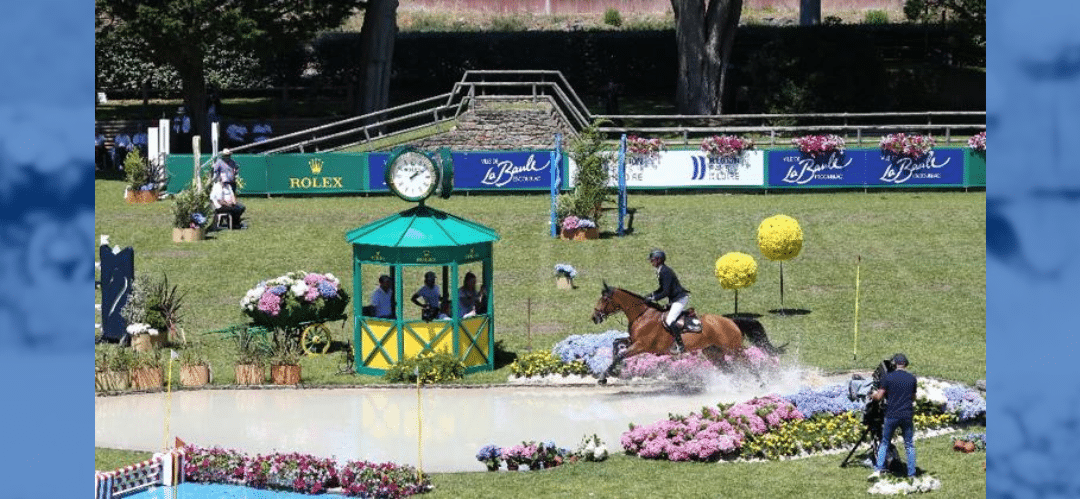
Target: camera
860, 389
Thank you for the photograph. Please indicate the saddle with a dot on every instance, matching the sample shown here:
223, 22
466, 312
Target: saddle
688, 321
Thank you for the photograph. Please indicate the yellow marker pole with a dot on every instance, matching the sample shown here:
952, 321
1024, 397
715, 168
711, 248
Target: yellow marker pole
855, 345
419, 431
168, 402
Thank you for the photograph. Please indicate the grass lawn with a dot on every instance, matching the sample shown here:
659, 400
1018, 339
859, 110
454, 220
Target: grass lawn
922, 272
624, 476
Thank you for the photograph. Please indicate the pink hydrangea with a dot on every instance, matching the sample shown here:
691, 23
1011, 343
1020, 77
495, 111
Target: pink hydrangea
270, 303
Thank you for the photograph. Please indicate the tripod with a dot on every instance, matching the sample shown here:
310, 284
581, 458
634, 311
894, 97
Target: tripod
875, 441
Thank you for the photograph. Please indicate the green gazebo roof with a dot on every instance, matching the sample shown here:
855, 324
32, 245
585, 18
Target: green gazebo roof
421, 227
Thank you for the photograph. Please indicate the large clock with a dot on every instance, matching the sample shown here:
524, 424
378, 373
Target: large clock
411, 174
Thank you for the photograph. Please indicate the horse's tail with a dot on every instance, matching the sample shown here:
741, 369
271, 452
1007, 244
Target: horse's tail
755, 332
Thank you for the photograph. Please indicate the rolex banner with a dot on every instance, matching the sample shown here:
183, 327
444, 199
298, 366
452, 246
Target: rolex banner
315, 173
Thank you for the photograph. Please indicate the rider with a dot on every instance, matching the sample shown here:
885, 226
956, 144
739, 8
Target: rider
677, 296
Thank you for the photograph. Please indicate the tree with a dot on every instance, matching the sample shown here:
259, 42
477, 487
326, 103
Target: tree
377, 52
705, 34
180, 33
969, 15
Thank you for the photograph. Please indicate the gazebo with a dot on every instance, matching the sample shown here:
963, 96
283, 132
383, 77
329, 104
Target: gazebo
422, 237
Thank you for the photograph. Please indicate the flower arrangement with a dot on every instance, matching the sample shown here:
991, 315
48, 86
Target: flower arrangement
572, 222
293, 471
736, 270
693, 367
214, 465
535, 455
383, 480
725, 146
141, 174
643, 146
192, 207
141, 328
828, 400
565, 270
491, 456
780, 238
541, 364
904, 486
430, 367
819, 145
977, 142
907, 146
295, 298
591, 449
593, 350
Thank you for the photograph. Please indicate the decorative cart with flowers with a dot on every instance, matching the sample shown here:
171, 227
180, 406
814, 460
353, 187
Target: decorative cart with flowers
297, 305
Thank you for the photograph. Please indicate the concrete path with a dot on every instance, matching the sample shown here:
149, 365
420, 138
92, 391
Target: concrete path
380, 424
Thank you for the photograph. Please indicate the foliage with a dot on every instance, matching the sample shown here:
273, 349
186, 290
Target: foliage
590, 153
903, 145
292, 471
151, 359
876, 16
112, 357
541, 364
977, 142
725, 146
153, 302
780, 238
969, 15
194, 354
591, 448
290, 300
430, 367
286, 349
612, 17
819, 145
736, 270
491, 456
140, 174
214, 465
251, 347
384, 480
192, 208
594, 350
643, 146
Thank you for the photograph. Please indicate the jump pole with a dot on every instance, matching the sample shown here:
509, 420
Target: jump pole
556, 180
622, 183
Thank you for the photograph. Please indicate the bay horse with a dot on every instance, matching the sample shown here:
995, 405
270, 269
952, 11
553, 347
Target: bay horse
647, 333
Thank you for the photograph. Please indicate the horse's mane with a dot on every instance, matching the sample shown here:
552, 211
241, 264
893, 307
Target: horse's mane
641, 298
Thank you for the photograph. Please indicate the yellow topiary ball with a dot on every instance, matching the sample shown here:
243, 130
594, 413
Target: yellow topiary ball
736, 270
780, 238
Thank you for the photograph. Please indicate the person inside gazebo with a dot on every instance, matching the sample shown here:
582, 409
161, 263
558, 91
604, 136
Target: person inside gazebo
382, 299
471, 301
432, 299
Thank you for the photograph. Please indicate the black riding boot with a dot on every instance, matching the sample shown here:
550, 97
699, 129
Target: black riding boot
676, 332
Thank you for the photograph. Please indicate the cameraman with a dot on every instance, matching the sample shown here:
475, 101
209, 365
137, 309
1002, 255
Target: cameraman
898, 389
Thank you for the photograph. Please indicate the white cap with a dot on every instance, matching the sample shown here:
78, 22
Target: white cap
226, 152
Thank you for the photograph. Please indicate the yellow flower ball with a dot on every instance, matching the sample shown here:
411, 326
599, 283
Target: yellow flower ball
780, 238
736, 270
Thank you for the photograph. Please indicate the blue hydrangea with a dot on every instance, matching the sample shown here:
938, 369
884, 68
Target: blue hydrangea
488, 452
593, 349
278, 290
967, 404
326, 289
832, 399
198, 218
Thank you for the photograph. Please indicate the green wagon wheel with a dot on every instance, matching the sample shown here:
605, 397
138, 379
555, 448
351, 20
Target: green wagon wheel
316, 339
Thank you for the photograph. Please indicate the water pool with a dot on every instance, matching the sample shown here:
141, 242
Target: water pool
215, 491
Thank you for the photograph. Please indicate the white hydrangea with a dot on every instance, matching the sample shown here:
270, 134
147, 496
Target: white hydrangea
298, 289
141, 328
932, 390
905, 486
600, 453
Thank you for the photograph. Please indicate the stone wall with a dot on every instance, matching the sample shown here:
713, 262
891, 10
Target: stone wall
503, 124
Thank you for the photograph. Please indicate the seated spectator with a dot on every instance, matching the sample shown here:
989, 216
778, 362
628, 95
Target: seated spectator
432, 298
223, 199
382, 299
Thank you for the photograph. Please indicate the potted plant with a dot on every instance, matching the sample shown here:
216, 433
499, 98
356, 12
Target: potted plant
817, 146
192, 212
641, 150
144, 179
194, 365
977, 143
155, 304
564, 276
285, 358
112, 367
252, 353
901, 145
145, 338
574, 228
147, 370
591, 189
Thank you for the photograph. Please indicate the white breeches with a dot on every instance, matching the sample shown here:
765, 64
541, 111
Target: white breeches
677, 307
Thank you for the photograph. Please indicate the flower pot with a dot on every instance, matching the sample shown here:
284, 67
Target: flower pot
964, 446
249, 374
147, 342
194, 375
140, 196
145, 378
285, 374
564, 282
112, 381
188, 235
581, 234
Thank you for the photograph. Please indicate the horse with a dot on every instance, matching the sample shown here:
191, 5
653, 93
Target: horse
647, 333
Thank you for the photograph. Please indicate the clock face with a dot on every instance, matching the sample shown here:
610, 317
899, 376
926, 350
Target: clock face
413, 176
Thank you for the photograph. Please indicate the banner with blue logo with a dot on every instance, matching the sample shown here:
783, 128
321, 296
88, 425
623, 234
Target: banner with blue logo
487, 170
856, 168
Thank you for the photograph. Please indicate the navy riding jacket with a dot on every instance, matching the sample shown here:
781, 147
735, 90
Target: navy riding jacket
669, 285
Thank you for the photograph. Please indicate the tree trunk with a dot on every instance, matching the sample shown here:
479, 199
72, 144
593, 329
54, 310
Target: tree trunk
377, 46
705, 34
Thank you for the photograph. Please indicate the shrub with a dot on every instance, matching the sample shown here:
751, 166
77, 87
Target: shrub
192, 206
431, 368
594, 350
876, 16
214, 465
612, 17
590, 153
545, 363
293, 471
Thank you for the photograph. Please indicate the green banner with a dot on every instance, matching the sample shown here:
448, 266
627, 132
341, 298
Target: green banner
975, 166
252, 172
316, 173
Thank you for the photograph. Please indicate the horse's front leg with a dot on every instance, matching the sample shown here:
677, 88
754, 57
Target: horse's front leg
621, 349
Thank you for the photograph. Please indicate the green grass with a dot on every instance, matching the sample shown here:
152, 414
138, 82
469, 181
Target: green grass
922, 271
816, 477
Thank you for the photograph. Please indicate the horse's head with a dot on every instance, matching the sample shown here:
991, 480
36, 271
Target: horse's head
605, 306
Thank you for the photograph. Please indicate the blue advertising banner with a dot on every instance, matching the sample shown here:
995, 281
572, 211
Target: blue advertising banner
487, 170
858, 168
